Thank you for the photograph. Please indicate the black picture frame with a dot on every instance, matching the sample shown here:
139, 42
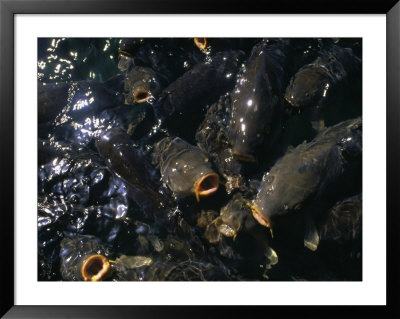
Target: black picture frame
8, 8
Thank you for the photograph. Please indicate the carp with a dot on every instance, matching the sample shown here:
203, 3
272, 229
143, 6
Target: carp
185, 168
256, 99
84, 257
120, 153
310, 171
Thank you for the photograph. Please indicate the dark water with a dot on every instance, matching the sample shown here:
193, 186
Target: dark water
86, 207
75, 59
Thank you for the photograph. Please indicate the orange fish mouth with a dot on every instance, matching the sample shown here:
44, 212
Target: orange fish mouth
259, 217
206, 185
95, 268
244, 157
201, 43
141, 95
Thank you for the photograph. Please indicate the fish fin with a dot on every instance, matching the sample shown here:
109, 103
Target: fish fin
311, 236
272, 258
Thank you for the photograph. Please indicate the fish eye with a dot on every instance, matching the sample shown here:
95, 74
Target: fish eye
298, 206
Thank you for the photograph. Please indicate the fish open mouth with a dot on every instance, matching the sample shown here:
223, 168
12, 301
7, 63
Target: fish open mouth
259, 217
244, 157
201, 43
141, 95
291, 102
207, 185
124, 53
95, 268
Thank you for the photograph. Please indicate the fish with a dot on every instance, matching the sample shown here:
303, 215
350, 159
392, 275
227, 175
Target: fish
185, 168
202, 84
237, 236
256, 101
130, 164
235, 220
126, 49
340, 237
168, 57
129, 46
141, 85
84, 257
212, 138
309, 171
343, 221
233, 217
314, 84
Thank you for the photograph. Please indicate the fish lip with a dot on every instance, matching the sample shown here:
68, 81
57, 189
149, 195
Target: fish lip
259, 217
137, 93
291, 102
86, 271
244, 157
212, 178
124, 53
201, 43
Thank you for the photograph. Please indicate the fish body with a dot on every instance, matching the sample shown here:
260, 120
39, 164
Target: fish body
120, 153
212, 137
185, 168
312, 84
256, 99
201, 85
233, 216
309, 171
